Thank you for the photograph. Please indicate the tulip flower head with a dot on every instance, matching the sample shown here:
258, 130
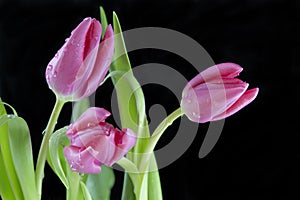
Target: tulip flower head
95, 142
81, 64
216, 93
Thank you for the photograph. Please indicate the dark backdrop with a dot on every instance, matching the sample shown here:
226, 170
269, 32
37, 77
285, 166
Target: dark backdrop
258, 152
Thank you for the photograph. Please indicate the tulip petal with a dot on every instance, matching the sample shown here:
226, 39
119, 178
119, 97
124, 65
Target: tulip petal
99, 143
123, 140
102, 63
63, 68
91, 117
92, 38
243, 101
215, 73
81, 161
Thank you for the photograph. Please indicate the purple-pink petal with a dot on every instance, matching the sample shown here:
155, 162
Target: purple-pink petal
82, 160
103, 59
216, 93
243, 101
90, 118
81, 64
216, 73
95, 142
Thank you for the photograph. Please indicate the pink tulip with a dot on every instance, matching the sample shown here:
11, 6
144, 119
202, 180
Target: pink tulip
95, 142
81, 64
215, 94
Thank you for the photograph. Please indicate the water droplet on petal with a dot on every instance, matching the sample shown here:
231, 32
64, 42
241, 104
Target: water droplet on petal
90, 124
73, 168
195, 115
54, 74
50, 67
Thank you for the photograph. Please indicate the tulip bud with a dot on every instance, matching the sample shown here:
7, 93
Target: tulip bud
215, 94
81, 64
95, 142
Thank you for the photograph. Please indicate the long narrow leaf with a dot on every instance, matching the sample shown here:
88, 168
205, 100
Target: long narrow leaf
7, 161
5, 187
131, 105
56, 158
131, 102
21, 151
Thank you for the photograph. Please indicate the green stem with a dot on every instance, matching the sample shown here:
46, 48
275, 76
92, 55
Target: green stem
147, 163
137, 178
44, 146
157, 134
154, 186
73, 190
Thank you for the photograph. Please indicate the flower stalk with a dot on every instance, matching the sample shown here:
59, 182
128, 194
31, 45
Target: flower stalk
45, 143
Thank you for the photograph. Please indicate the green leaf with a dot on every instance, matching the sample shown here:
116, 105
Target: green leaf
5, 187
124, 92
9, 179
103, 21
2, 108
100, 184
85, 192
56, 157
131, 105
21, 151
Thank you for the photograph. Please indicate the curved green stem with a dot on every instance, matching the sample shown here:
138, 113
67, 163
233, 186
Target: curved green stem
12, 108
128, 165
39, 174
161, 128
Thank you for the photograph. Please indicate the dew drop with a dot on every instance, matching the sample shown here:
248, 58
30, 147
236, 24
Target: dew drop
11, 116
90, 124
55, 74
72, 166
195, 115
56, 55
50, 67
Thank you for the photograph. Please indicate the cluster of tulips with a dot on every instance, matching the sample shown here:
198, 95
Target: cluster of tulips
76, 71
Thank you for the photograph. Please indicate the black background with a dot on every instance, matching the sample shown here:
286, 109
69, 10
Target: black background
258, 152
